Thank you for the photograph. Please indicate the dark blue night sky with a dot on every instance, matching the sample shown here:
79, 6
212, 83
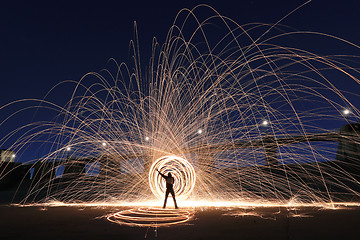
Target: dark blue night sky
45, 43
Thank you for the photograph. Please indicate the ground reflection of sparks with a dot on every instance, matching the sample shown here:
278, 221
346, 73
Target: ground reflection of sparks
148, 214
151, 217
190, 204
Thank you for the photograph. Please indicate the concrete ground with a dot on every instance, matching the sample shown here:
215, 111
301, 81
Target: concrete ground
208, 223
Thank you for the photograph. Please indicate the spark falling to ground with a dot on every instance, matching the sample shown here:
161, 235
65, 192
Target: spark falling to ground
233, 112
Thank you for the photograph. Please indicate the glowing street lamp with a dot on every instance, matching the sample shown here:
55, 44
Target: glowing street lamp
68, 150
200, 131
147, 139
103, 144
346, 112
13, 156
265, 123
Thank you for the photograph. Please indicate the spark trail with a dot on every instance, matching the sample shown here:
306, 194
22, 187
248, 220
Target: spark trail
212, 83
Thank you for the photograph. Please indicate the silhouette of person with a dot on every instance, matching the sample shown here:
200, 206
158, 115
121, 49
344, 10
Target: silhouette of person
169, 187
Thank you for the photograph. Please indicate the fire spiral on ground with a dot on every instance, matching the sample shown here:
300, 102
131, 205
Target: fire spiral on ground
182, 171
151, 217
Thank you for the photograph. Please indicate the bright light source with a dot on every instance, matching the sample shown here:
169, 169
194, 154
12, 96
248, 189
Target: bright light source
265, 123
346, 112
13, 156
104, 144
182, 171
200, 131
68, 149
147, 138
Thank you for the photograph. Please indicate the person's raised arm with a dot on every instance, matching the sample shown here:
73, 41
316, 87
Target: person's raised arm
161, 173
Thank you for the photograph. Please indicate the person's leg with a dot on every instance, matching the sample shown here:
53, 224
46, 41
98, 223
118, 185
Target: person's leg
173, 195
166, 196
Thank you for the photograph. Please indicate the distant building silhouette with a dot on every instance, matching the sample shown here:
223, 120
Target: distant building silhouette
348, 152
11, 172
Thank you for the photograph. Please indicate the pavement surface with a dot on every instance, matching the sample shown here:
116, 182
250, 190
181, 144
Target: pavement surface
37, 222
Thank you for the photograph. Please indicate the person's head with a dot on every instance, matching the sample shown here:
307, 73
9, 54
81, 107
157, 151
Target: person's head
169, 174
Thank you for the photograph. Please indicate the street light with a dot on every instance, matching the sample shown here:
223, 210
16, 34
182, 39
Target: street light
346, 112
200, 131
103, 144
265, 123
68, 150
147, 138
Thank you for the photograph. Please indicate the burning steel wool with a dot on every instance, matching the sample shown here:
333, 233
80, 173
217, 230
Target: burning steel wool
182, 171
237, 113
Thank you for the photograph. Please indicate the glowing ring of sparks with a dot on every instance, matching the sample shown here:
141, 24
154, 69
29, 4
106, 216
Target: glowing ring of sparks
182, 171
150, 217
